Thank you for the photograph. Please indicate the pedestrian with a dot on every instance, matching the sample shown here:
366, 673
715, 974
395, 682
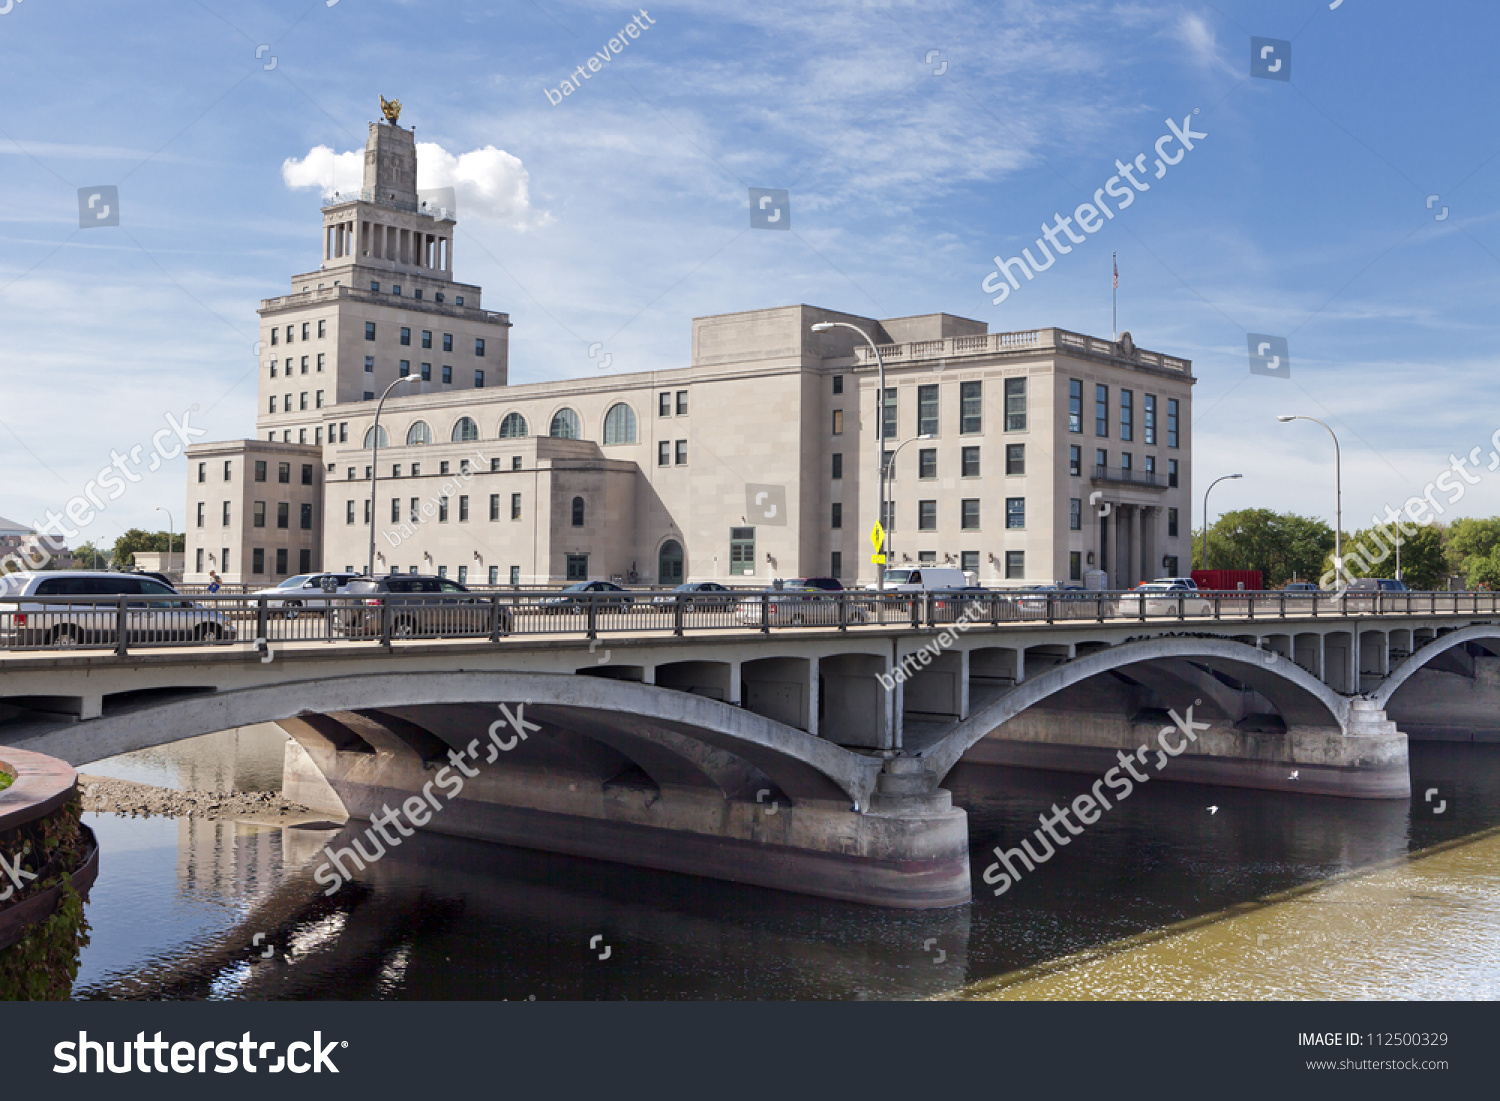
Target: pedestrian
213, 582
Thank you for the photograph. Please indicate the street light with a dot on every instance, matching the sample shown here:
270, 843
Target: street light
375, 466
170, 529
885, 469
1338, 492
823, 327
1216, 481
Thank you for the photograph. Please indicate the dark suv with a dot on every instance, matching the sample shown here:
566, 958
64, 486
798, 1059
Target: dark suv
419, 607
827, 584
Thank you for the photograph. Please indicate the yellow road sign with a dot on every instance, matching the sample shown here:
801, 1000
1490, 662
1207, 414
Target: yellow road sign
878, 559
877, 535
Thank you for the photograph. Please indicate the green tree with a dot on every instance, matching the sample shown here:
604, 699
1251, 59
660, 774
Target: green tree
1371, 552
91, 557
1281, 545
1472, 546
137, 540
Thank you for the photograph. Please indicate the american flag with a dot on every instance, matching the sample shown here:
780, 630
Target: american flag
1117, 274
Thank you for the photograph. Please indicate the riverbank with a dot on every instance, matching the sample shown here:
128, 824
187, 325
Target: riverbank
100, 793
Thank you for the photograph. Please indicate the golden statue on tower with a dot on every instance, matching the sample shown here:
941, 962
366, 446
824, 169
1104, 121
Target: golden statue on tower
391, 109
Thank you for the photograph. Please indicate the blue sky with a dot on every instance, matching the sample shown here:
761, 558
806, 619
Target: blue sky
619, 214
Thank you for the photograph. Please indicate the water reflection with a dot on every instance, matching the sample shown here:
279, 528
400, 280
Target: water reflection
177, 910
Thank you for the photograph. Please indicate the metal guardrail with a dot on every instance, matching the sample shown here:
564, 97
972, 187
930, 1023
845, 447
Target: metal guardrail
127, 623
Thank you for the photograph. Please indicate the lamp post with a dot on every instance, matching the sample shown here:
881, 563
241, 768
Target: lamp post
1216, 481
886, 468
823, 327
170, 529
1338, 492
375, 466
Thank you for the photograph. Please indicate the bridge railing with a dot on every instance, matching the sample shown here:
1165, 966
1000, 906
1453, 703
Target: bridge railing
126, 623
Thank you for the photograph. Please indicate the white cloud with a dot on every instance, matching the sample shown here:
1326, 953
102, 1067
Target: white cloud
1203, 46
490, 183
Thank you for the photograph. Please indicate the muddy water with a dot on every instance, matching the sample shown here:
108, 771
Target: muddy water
1272, 896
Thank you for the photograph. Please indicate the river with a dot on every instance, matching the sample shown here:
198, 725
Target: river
1270, 896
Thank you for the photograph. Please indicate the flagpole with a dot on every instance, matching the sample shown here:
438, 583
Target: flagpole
1114, 298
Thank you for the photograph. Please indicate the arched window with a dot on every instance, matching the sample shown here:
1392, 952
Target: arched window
669, 563
465, 430
578, 512
513, 427
566, 425
418, 435
619, 424
370, 439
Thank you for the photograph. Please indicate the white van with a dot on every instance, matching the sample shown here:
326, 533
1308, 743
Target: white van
923, 579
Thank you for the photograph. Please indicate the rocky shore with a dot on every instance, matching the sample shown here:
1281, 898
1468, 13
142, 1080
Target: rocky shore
144, 800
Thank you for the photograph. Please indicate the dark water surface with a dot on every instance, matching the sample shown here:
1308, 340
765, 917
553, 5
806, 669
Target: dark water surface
178, 905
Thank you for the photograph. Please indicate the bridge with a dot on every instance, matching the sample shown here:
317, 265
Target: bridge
799, 744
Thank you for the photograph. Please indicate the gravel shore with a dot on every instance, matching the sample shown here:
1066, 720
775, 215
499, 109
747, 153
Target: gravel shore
100, 793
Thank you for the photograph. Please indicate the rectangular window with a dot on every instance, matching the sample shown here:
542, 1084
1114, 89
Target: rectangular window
448, 374
1172, 422
888, 516
970, 408
349, 512
307, 473
404, 370
836, 564
1151, 468
1101, 410
838, 515
321, 357
838, 422
442, 510
284, 473
838, 387
969, 467
1015, 512
1170, 564
369, 330
927, 410
1171, 522
515, 576
838, 465
426, 372
927, 516
888, 431
1127, 463
888, 461
224, 518
198, 561
1015, 565
322, 329
202, 508
742, 551
395, 510
494, 506
302, 400
1075, 514
664, 404
479, 345
463, 508
515, 462
427, 338
442, 571
258, 514
318, 400
415, 505
1075, 565
227, 466
927, 462
447, 342
367, 511
494, 575
281, 551
463, 571
405, 335
1075, 405
224, 559
1148, 419
968, 561
681, 458
275, 337
307, 516
1101, 460
682, 403
1015, 458
578, 567
258, 560
1015, 405
1127, 415
1075, 460
664, 453
343, 432
260, 470
306, 329
969, 514
1172, 473
283, 514
515, 506
318, 436
479, 380
203, 472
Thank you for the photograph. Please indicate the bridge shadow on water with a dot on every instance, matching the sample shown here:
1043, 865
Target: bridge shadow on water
445, 918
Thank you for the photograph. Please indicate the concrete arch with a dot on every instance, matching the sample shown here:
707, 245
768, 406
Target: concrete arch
802, 765
1412, 662
1297, 694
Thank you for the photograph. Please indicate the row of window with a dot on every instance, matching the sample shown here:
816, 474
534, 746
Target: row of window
440, 508
291, 332
443, 467
403, 369
404, 337
929, 418
283, 472
258, 514
258, 560
1015, 463
1127, 414
664, 403
286, 406
458, 300
1015, 515
321, 360
619, 428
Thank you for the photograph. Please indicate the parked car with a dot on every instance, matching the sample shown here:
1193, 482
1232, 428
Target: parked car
700, 596
796, 608
827, 584
1067, 601
979, 603
1363, 592
94, 619
1164, 597
611, 598
420, 607
305, 590
1299, 587
918, 579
